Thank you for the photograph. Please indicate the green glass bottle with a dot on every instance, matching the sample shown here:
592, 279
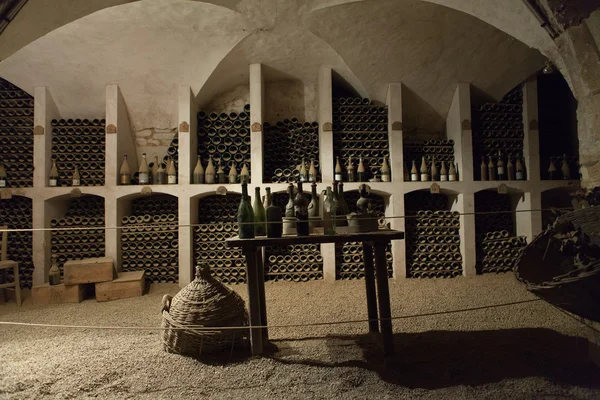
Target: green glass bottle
245, 216
260, 218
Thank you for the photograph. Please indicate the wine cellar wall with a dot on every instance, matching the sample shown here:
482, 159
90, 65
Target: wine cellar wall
16, 213
79, 144
16, 135
217, 221
498, 133
432, 237
349, 259
360, 131
497, 246
80, 233
297, 263
288, 143
149, 238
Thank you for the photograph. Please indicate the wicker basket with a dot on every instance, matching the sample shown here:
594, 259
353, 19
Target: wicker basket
550, 274
205, 302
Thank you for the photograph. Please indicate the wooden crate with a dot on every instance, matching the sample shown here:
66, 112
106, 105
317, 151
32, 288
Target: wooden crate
91, 270
128, 284
57, 294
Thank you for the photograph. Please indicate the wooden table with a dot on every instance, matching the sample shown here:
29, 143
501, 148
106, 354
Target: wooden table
377, 241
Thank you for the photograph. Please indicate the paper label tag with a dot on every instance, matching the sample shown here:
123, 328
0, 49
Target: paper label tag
143, 178
172, 179
452, 178
443, 178
52, 182
2, 183
338, 177
76, 182
414, 177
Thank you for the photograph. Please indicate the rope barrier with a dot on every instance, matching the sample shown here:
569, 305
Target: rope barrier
173, 225
213, 328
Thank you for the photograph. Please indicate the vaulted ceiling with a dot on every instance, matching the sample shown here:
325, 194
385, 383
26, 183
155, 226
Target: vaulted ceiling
150, 47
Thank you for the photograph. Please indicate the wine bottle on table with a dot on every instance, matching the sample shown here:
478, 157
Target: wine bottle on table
519, 170
274, 220
500, 168
510, 169
452, 175
312, 172
289, 207
329, 212
491, 170
245, 215
260, 217
301, 212
313, 206
350, 171
565, 169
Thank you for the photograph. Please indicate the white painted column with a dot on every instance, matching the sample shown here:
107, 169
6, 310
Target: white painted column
458, 128
465, 204
187, 137
325, 116
531, 140
186, 237
257, 103
396, 208
325, 119
395, 131
41, 245
529, 223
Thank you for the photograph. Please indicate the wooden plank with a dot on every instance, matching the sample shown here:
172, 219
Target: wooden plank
254, 300
383, 298
380, 235
57, 294
91, 270
370, 288
128, 284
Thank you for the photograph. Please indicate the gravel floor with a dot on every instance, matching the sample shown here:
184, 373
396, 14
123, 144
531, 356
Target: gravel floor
522, 351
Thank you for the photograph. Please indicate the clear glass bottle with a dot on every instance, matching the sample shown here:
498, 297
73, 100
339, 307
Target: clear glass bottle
143, 171
53, 177
519, 170
198, 175
125, 172
260, 217
552, 170
76, 180
245, 215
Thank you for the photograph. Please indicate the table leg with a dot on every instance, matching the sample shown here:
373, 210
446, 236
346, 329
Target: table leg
370, 287
261, 291
383, 297
254, 300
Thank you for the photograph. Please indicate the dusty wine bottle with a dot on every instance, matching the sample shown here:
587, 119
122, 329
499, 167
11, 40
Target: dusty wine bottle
338, 170
198, 176
289, 207
313, 206
519, 170
566, 171
232, 173
53, 178
161, 175
76, 179
301, 212
414, 174
483, 170
443, 172
154, 171
551, 170
245, 215
171, 173
350, 171
385, 171
221, 177
3, 180
500, 168
303, 173
434, 171
452, 175
210, 173
125, 172
510, 169
143, 171
424, 170
312, 172
260, 217
273, 213
54, 272
361, 172
245, 174
329, 212
491, 170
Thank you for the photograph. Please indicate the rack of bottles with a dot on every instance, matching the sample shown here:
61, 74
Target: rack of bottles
438, 155
498, 136
80, 234
360, 131
16, 213
16, 136
217, 221
297, 263
78, 146
559, 167
496, 246
224, 139
290, 143
349, 259
149, 239
432, 237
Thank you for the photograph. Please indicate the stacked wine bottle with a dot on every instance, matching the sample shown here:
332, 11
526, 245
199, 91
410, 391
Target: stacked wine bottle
290, 143
498, 133
349, 259
296, 263
149, 239
217, 221
159, 171
225, 138
16, 136
78, 235
501, 251
494, 224
360, 130
432, 237
79, 144
16, 213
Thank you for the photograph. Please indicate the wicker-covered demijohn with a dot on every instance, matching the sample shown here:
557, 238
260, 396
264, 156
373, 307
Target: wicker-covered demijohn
562, 265
204, 303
